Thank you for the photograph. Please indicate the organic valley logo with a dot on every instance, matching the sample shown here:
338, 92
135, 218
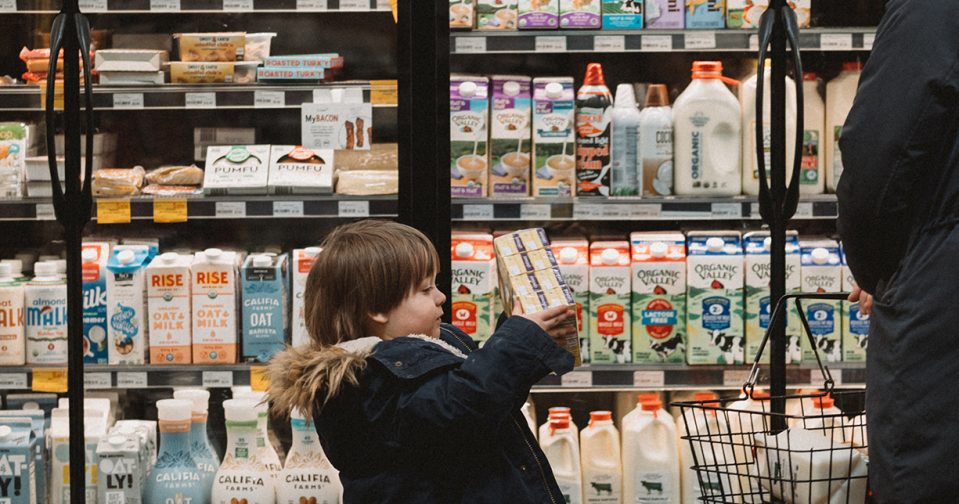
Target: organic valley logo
468, 276
555, 122
763, 270
699, 120
716, 271
614, 283
512, 119
821, 283
657, 277
467, 123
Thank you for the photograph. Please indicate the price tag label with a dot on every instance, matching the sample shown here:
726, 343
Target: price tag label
354, 209
166, 211
754, 42
201, 100
727, 211
700, 40
165, 5
609, 43
384, 92
384, 5
259, 381
237, 5
269, 99
645, 211
50, 380
312, 5
113, 211
134, 379
550, 44
45, 211
657, 43
868, 40
217, 379
13, 381
535, 211
577, 379
754, 211
735, 377
617, 211
358, 5
8, 5
587, 211
470, 45
804, 210
97, 380
649, 379
477, 212
288, 209
93, 5
817, 380
835, 42
128, 101
230, 209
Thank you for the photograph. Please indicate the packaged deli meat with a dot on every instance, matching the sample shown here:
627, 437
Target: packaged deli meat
176, 175
117, 182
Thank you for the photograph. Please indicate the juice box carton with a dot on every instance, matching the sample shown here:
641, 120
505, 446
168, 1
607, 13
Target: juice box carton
169, 306
18, 484
94, 270
822, 273
510, 136
665, 14
496, 14
623, 14
469, 156
120, 477
586, 14
37, 444
461, 14
714, 270
126, 307
572, 256
610, 315
530, 280
705, 14
538, 14
855, 324
214, 307
759, 306
554, 137
302, 262
659, 297
746, 13
265, 292
474, 284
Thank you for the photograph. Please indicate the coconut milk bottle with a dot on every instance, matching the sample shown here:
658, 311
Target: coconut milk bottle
655, 151
855, 324
759, 306
840, 94
560, 444
204, 456
307, 475
302, 262
714, 268
510, 136
265, 294
168, 300
554, 137
572, 257
469, 115
12, 342
94, 267
474, 280
45, 298
747, 94
126, 309
175, 477
594, 107
601, 460
609, 302
811, 177
17, 469
214, 307
119, 477
242, 475
659, 297
650, 456
822, 273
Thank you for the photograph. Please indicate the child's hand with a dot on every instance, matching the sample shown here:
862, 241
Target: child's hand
551, 320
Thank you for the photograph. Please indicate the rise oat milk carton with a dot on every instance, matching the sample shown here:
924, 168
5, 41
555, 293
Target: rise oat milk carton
17, 464
586, 14
214, 307
510, 136
469, 116
496, 14
554, 137
474, 284
759, 306
265, 292
855, 324
610, 315
665, 14
168, 303
94, 267
822, 273
706, 14
714, 271
572, 258
126, 306
45, 298
659, 297
302, 262
538, 14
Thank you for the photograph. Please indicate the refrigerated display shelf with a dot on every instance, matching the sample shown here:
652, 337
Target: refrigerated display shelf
196, 6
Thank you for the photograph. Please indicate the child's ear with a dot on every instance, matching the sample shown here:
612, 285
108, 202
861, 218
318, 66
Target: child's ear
379, 318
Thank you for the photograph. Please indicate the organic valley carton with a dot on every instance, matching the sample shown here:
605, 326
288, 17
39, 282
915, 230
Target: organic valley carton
714, 271
659, 297
94, 268
214, 307
265, 291
747, 13
585, 14
168, 303
510, 136
759, 306
822, 273
705, 14
538, 14
302, 262
474, 284
469, 114
665, 14
572, 257
609, 302
554, 137
17, 464
126, 306
855, 324
496, 14
623, 14
461, 14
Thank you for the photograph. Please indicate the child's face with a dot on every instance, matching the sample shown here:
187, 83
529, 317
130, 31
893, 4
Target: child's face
419, 313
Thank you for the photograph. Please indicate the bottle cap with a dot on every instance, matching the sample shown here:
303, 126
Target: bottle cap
657, 95
312, 251
658, 250
200, 398
554, 90
16, 266
174, 410
610, 256
125, 256
715, 244
810, 76
594, 75
61, 266
169, 257
88, 255
820, 256
559, 409
704, 396
625, 96
559, 423
239, 410
262, 261
5, 431
600, 416
467, 89
464, 250
824, 402
568, 255
653, 405
212, 253
711, 70
646, 396
560, 415
852, 66
511, 88
45, 269
761, 395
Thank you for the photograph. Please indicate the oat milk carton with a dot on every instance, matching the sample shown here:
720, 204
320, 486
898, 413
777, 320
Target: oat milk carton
705, 14
214, 307
302, 262
168, 303
554, 137
12, 340
474, 284
822, 273
538, 14
659, 297
496, 14
623, 14
469, 115
94, 268
126, 306
759, 306
714, 271
609, 302
265, 291
510, 136
572, 257
461, 14
586, 14
17, 463
121, 471
855, 324
38, 446
665, 14
45, 328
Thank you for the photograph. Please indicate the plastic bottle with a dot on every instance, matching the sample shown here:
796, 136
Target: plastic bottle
554, 412
307, 475
707, 128
706, 427
746, 419
747, 95
812, 180
594, 105
825, 419
625, 179
562, 451
175, 477
529, 413
266, 450
840, 93
655, 153
601, 460
45, 298
13, 345
204, 456
650, 456
242, 475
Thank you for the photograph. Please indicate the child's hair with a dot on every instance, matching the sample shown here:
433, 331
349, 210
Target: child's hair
365, 267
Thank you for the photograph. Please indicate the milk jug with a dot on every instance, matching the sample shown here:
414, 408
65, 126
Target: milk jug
302, 262
601, 460
714, 269
855, 323
265, 293
707, 129
214, 307
94, 267
659, 297
307, 475
650, 456
747, 95
12, 342
759, 306
594, 105
610, 315
126, 306
561, 446
555, 412
812, 180
168, 301
529, 413
120, 470
822, 273
202, 452
242, 475
510, 136
746, 419
825, 419
473, 269
17, 467
703, 424
655, 152
840, 93
572, 256
45, 298
625, 142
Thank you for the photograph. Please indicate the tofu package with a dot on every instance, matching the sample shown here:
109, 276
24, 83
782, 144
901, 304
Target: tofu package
715, 280
473, 269
236, 169
759, 306
822, 273
297, 170
129, 60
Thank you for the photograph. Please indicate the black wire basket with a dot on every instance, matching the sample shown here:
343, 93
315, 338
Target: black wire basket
816, 452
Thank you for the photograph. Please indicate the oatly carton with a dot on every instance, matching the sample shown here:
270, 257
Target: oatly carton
214, 307
474, 284
705, 14
665, 14
659, 297
265, 291
121, 472
497, 15
510, 136
469, 156
37, 444
302, 262
714, 271
759, 306
538, 14
126, 306
822, 273
855, 324
94, 268
168, 303
17, 462
623, 14
572, 257
609, 302
585, 14
554, 137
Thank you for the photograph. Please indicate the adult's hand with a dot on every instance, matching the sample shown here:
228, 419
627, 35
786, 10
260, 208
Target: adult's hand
551, 320
863, 298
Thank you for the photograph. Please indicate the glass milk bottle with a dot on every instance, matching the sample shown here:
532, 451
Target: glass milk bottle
242, 477
174, 478
307, 476
204, 456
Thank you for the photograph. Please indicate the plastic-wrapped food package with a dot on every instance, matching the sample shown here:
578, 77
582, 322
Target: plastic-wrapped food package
117, 182
176, 175
367, 182
379, 157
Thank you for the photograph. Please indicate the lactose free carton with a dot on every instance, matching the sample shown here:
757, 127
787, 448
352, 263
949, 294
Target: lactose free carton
659, 297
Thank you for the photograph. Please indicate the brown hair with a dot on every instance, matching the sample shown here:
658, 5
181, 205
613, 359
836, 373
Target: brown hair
365, 267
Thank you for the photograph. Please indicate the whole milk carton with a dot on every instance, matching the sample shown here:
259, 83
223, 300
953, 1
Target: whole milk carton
126, 306
94, 270
473, 268
469, 156
659, 297
496, 14
609, 302
855, 324
302, 262
265, 291
572, 257
714, 269
705, 14
17, 462
214, 306
168, 303
554, 137
822, 273
623, 14
510, 136
665, 14
538, 14
759, 306
586, 14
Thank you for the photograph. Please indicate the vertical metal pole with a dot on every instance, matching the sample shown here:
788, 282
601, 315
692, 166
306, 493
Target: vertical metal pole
777, 227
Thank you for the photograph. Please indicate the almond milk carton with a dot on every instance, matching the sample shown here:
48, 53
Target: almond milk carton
659, 297
214, 307
169, 306
302, 262
94, 267
855, 324
759, 306
714, 271
496, 14
554, 137
469, 115
474, 284
822, 273
538, 14
609, 302
585, 14
510, 136
126, 306
265, 319
572, 257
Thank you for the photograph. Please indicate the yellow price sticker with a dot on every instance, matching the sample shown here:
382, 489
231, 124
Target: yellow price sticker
384, 92
167, 211
259, 380
50, 380
393, 6
113, 211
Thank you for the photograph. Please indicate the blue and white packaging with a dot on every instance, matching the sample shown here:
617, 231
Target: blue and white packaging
706, 14
855, 324
623, 14
126, 304
822, 273
18, 483
37, 444
265, 291
715, 298
95, 256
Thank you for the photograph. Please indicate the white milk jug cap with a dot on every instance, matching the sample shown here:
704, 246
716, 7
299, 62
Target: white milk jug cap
239, 410
610, 256
45, 269
88, 255
658, 250
715, 244
568, 255
198, 397
768, 243
213, 253
464, 250
511, 88
174, 410
554, 90
820, 256
312, 251
117, 440
169, 257
467, 89
262, 261
125, 256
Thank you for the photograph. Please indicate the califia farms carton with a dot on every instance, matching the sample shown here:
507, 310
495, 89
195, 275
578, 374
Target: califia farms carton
474, 284
623, 14
665, 14
17, 467
572, 257
94, 268
855, 324
214, 307
585, 14
538, 14
554, 137
168, 303
659, 297
510, 136
609, 302
714, 270
759, 306
126, 306
705, 14
822, 273
302, 262
265, 294
469, 114
496, 14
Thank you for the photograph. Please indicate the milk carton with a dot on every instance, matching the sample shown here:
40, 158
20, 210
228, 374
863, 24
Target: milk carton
538, 14
474, 284
855, 324
302, 262
94, 268
126, 306
38, 447
665, 14
822, 272
706, 14
469, 114
623, 14
59, 442
298, 170
496, 14
659, 297
554, 137
12, 343
461, 14
510, 136
120, 477
581, 14
572, 257
45, 298
609, 302
714, 270
747, 13
17, 463
759, 306
168, 300
214, 306
265, 291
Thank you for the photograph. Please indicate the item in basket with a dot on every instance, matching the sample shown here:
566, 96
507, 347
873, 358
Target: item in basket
225, 46
461, 14
117, 182
298, 170
294, 74
257, 46
129, 60
237, 169
304, 61
496, 14
240, 72
176, 175
367, 182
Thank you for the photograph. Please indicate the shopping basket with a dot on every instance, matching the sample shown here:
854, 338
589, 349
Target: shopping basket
737, 455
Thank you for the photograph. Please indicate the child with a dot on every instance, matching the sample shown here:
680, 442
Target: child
408, 409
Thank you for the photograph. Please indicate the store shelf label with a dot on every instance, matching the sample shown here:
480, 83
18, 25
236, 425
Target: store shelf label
645, 211
587, 211
835, 41
259, 380
113, 211
727, 211
477, 212
269, 99
700, 40
657, 43
354, 209
217, 379
804, 210
384, 92
8, 5
237, 5
288, 209
577, 379
535, 211
360, 5
128, 100
132, 379
817, 380
45, 211
649, 379
93, 5
312, 5
868, 40
735, 377
165, 5
754, 42
230, 209
201, 100
550, 44
470, 45
13, 381
167, 211
97, 380
50, 380
609, 43
383, 5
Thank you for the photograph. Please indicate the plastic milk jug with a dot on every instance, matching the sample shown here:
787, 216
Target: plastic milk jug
812, 180
168, 303
759, 307
650, 456
601, 460
510, 136
473, 269
840, 94
554, 137
94, 257
12, 340
242, 475
822, 272
559, 411
529, 413
609, 302
703, 424
302, 262
214, 307
655, 152
265, 294
45, 298
206, 459
561, 445
714, 271
747, 95
825, 419
746, 420
855, 324
126, 306
659, 297
307, 475
625, 143
573, 258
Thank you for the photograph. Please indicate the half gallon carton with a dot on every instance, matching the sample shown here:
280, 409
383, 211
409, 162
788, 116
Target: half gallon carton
759, 306
496, 14
822, 273
469, 156
572, 257
855, 324
126, 306
121, 471
474, 284
665, 14
610, 313
714, 270
510, 136
705, 14
94, 427
17, 462
45, 328
461, 14
538, 14
586, 14
38, 447
554, 137
168, 303
214, 307
659, 297
623, 14
302, 262
265, 291
94, 268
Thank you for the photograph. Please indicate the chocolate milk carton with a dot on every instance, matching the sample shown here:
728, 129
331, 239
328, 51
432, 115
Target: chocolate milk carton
822, 273
461, 14
706, 14
610, 315
469, 115
714, 271
126, 306
665, 14
17, 463
510, 136
572, 257
474, 284
585, 14
759, 306
554, 137
659, 297
214, 307
169, 306
302, 262
623, 14
538, 14
496, 14
94, 267
121, 470
265, 291
855, 324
